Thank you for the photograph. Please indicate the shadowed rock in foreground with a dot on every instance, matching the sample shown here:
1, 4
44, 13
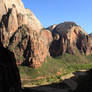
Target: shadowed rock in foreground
79, 81
9, 74
86, 83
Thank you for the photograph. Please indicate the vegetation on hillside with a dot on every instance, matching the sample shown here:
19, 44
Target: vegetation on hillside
53, 69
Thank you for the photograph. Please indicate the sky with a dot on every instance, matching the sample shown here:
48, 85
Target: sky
51, 12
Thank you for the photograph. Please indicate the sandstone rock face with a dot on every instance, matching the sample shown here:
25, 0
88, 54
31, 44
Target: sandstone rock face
70, 38
40, 47
12, 21
25, 14
2, 9
89, 45
13, 15
21, 32
29, 47
9, 74
5, 5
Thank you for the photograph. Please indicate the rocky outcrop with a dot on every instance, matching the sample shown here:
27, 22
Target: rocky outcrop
40, 47
29, 47
12, 15
24, 15
22, 33
70, 38
9, 74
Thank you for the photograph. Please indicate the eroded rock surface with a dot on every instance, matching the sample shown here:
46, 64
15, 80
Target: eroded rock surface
70, 38
25, 14
22, 33
30, 48
13, 15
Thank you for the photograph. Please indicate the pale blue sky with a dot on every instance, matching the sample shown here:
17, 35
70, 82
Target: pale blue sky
56, 11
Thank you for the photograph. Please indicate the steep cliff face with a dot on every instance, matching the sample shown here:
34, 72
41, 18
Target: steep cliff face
12, 15
22, 33
29, 47
70, 38
15, 10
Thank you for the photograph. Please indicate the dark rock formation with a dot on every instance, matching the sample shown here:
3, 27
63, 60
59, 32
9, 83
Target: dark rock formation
86, 83
70, 38
9, 74
12, 16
